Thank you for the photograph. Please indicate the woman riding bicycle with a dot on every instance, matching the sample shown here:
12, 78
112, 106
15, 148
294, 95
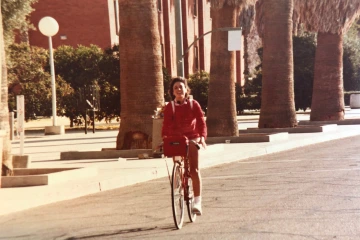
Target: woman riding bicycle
186, 119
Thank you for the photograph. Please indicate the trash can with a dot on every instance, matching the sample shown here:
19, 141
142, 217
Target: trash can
355, 100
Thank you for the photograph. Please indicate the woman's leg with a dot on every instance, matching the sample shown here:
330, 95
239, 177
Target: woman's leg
194, 168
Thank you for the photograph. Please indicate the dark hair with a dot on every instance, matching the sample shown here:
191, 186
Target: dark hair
182, 80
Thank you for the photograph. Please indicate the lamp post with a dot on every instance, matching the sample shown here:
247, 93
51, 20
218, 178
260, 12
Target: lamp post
49, 27
179, 39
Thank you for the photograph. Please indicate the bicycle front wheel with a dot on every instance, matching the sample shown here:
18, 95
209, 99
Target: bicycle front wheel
177, 196
190, 201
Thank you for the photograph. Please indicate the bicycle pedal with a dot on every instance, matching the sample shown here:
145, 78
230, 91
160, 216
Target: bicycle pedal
197, 212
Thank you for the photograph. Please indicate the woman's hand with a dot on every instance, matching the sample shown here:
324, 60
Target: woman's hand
202, 142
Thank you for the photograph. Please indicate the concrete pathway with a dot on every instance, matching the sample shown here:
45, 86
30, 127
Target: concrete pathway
114, 173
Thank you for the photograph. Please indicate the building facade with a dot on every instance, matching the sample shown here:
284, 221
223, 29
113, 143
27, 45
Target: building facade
80, 22
96, 22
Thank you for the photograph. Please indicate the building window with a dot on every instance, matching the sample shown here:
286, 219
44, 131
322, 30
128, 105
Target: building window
116, 16
159, 3
196, 58
195, 8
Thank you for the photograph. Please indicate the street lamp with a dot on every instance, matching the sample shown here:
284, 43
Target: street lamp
179, 38
49, 27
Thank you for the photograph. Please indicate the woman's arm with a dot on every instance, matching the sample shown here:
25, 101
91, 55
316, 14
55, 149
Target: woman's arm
200, 123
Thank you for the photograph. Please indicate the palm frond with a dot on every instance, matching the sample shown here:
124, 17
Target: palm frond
334, 16
259, 17
247, 18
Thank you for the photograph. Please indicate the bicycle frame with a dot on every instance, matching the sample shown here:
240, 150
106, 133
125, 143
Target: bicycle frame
185, 174
180, 177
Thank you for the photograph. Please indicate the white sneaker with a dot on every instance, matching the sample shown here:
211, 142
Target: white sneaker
197, 208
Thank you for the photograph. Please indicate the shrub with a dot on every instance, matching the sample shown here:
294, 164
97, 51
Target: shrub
199, 85
26, 76
351, 59
304, 48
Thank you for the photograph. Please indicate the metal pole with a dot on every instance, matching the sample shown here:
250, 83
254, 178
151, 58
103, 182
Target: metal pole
93, 120
85, 121
211, 31
53, 89
179, 39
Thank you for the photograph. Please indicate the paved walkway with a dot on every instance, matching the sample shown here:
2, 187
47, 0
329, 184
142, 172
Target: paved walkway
114, 173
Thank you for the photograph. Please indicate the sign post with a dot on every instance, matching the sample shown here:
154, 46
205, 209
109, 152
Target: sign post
20, 110
234, 39
21, 160
179, 38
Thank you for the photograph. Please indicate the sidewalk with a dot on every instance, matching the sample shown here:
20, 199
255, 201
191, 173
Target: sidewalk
114, 173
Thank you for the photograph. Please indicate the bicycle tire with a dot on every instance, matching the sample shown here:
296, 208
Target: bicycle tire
190, 201
177, 196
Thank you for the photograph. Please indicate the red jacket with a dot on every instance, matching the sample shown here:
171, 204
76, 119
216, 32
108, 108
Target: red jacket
185, 121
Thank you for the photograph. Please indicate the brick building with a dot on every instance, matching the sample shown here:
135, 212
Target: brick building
96, 22
80, 22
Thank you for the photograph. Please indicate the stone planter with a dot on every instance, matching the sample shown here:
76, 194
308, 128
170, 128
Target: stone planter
156, 132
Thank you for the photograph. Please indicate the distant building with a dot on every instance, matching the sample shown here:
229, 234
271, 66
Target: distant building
97, 22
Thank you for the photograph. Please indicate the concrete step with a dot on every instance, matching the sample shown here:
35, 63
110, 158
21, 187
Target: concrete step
297, 129
249, 138
350, 121
106, 154
25, 177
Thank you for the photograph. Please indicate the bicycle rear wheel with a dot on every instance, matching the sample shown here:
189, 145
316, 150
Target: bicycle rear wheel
177, 196
190, 202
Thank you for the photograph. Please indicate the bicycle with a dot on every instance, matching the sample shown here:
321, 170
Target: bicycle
181, 184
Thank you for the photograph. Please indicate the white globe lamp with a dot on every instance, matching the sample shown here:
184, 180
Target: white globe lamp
49, 27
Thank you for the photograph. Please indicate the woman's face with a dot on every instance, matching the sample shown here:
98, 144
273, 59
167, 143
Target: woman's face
179, 90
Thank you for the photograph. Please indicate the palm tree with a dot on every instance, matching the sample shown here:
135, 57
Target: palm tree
274, 22
7, 166
141, 79
221, 112
330, 19
1, 45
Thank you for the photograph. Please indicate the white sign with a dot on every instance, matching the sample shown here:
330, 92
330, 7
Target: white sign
234, 40
20, 112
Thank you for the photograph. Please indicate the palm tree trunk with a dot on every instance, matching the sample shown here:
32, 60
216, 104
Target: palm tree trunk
1, 45
328, 96
221, 113
277, 100
246, 58
7, 166
141, 78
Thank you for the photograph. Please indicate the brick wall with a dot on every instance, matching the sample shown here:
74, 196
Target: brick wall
80, 22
